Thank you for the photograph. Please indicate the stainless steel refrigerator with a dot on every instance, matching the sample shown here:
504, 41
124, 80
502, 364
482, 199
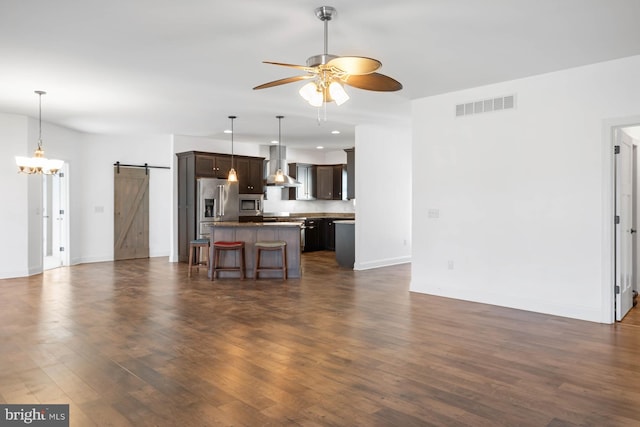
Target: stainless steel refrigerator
217, 201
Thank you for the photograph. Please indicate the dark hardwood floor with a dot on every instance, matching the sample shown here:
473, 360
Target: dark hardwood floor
138, 343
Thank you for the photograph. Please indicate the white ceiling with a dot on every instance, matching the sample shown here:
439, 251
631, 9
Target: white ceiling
182, 67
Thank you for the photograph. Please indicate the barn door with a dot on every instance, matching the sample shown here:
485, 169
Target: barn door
131, 213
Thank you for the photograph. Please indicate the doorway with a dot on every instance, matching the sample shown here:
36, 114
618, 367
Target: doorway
626, 219
55, 237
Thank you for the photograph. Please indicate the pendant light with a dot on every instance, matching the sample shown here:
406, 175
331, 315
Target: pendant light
280, 178
233, 177
38, 164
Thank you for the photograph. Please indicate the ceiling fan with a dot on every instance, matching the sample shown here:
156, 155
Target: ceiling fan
330, 72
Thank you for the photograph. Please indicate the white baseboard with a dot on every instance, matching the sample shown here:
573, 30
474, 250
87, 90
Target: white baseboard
573, 311
381, 263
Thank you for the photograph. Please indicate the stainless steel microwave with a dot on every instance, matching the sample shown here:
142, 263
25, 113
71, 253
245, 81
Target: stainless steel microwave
250, 204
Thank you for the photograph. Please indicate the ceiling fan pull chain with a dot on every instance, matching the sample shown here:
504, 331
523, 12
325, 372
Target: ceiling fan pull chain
324, 105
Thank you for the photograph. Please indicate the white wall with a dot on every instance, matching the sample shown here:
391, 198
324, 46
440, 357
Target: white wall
383, 196
14, 252
184, 143
34, 204
523, 195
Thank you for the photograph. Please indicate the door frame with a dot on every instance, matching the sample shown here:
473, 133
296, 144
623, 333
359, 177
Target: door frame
624, 236
608, 212
60, 237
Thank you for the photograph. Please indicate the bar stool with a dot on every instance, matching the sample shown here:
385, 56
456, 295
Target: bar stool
195, 254
276, 245
218, 248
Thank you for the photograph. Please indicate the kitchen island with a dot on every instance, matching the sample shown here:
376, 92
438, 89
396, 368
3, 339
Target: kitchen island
250, 233
345, 243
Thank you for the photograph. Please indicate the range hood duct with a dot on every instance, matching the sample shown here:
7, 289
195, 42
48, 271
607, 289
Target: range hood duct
277, 153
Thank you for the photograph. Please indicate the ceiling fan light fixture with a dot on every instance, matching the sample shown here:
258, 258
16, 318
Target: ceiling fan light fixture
317, 99
338, 93
307, 91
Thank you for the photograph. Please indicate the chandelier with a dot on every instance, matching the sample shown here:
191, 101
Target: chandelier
38, 164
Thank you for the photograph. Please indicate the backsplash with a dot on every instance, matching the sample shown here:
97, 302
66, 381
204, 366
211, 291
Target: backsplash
274, 203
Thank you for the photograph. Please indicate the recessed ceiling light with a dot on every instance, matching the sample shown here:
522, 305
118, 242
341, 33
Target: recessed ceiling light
335, 132
319, 147
274, 142
227, 131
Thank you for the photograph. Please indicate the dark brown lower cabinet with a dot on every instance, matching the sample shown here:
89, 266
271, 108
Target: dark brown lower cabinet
320, 234
312, 235
329, 234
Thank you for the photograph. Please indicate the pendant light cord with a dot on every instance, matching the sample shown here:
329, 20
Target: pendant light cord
232, 143
232, 118
279, 139
40, 93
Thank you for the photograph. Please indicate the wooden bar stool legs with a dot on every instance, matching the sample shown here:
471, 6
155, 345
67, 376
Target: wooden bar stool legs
195, 254
218, 249
278, 246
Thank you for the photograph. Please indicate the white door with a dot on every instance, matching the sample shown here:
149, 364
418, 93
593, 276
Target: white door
54, 227
624, 212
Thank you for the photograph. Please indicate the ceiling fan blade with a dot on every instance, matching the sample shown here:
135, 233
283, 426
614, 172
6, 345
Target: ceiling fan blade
284, 81
355, 65
299, 67
374, 81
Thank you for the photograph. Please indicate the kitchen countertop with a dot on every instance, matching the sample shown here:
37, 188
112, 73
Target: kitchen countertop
312, 215
325, 215
256, 224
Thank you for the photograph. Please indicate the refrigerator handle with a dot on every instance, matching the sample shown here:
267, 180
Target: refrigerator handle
220, 199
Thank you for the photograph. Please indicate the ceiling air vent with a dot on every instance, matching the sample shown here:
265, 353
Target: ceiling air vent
486, 105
